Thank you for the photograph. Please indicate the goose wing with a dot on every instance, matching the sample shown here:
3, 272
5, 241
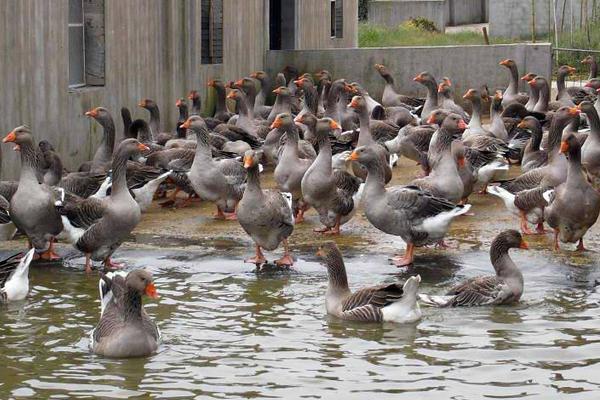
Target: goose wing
376, 296
478, 291
416, 202
7, 267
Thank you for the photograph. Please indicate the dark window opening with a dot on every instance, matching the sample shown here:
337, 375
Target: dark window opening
337, 18
282, 24
212, 31
86, 43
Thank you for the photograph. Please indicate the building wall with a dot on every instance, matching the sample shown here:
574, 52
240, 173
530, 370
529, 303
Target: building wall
405, 63
152, 50
313, 25
512, 18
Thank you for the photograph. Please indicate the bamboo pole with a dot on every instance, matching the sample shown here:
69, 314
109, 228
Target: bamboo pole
533, 21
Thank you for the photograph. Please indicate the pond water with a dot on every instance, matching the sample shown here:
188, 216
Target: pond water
232, 333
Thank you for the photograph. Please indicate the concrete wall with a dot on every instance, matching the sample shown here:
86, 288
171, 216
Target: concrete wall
512, 18
467, 66
442, 12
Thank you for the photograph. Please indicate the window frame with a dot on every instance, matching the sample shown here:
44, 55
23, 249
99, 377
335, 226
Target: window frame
82, 26
208, 54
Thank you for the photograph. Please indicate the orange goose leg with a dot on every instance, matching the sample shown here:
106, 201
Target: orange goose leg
286, 260
259, 259
408, 257
556, 245
524, 228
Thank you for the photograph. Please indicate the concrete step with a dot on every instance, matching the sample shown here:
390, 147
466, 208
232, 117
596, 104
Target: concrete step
466, 28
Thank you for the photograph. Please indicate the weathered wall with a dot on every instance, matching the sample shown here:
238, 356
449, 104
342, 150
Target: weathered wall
313, 25
456, 62
512, 18
152, 50
442, 12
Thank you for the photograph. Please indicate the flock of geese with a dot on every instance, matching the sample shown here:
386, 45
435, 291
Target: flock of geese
331, 146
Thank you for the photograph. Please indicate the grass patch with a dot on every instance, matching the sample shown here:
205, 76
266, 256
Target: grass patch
588, 38
370, 35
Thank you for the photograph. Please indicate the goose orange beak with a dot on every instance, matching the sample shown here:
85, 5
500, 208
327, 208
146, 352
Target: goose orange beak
462, 125
461, 162
248, 162
447, 81
299, 82
11, 137
469, 94
239, 82
532, 82
92, 113
211, 83
231, 95
186, 124
277, 91
299, 119
524, 245
334, 125
150, 291
574, 111
143, 147
571, 70
142, 103
353, 103
441, 87
505, 62
254, 75
564, 147
178, 103
353, 156
430, 120
522, 125
277, 123
418, 78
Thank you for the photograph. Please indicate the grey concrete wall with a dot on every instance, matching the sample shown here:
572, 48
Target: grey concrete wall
512, 18
442, 12
313, 29
392, 13
456, 62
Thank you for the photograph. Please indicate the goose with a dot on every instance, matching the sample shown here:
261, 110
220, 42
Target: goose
265, 215
575, 205
218, 181
14, 277
392, 302
446, 99
390, 97
533, 156
431, 102
265, 87
593, 64
97, 227
157, 136
527, 204
221, 111
497, 127
332, 193
590, 151
103, 155
506, 287
475, 126
534, 92
291, 168
417, 216
125, 330
511, 94
282, 103
32, 205
311, 96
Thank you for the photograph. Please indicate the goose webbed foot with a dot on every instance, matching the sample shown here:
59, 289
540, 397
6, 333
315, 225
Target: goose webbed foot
285, 261
219, 214
556, 245
88, 264
539, 229
258, 259
441, 245
483, 191
324, 229
524, 228
48, 255
109, 264
407, 259
231, 216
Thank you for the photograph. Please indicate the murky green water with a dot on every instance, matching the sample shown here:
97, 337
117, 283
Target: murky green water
230, 333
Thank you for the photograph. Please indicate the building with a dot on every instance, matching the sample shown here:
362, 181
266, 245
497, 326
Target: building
62, 57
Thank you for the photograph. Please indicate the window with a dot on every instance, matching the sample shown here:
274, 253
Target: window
86, 43
212, 31
337, 18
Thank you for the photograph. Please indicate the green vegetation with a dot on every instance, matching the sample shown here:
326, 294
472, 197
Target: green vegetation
414, 33
587, 38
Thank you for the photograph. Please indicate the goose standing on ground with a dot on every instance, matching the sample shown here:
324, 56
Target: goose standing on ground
392, 302
103, 156
14, 277
32, 206
291, 168
506, 287
534, 92
125, 330
158, 136
218, 181
265, 215
97, 227
332, 193
590, 151
533, 156
511, 94
431, 101
575, 205
418, 217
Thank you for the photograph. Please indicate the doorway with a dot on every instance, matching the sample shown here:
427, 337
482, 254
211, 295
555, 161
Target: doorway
282, 24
